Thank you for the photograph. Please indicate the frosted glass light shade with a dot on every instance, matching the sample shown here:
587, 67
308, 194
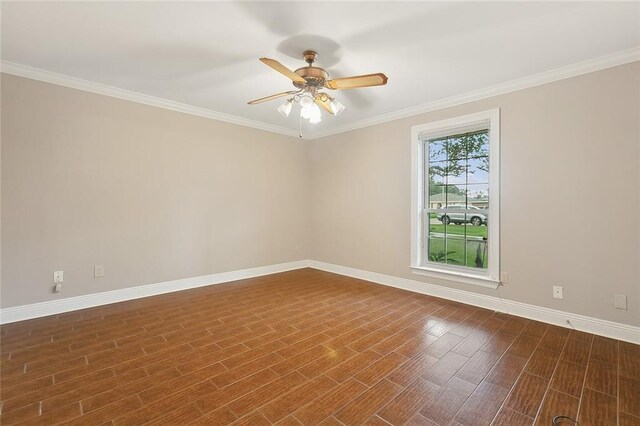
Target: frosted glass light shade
285, 108
315, 115
315, 111
315, 119
306, 101
336, 107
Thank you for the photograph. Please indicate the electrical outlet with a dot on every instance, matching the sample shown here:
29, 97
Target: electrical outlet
98, 271
504, 277
557, 292
620, 301
58, 277
57, 288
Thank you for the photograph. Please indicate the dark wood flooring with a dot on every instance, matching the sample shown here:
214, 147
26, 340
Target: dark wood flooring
309, 347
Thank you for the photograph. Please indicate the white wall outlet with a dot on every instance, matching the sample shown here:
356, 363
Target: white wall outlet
504, 277
620, 301
57, 288
557, 292
58, 277
98, 271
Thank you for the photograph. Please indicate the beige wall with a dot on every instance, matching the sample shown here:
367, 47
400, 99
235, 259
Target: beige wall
156, 195
151, 194
570, 194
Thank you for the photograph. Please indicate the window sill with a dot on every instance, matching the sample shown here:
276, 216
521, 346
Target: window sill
459, 277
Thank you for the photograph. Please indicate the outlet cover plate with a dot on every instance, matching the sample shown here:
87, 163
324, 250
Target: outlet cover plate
98, 271
557, 292
620, 301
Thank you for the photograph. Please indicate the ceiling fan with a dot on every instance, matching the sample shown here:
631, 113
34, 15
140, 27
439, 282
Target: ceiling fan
310, 81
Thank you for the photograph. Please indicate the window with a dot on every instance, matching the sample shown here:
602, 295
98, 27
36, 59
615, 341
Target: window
455, 199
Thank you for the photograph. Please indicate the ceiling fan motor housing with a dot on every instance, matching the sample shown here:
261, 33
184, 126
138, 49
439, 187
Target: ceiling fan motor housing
316, 77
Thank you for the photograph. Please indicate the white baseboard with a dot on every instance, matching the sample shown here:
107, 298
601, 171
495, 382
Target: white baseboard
36, 310
597, 326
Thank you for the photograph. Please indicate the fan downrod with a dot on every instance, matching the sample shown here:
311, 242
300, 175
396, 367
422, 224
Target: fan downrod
310, 56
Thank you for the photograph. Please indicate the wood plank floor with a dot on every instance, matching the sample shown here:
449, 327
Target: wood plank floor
309, 347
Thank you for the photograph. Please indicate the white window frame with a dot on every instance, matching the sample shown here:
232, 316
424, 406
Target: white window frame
486, 278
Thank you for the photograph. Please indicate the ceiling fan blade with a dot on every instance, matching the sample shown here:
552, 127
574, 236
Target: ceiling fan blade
268, 98
282, 69
368, 80
323, 100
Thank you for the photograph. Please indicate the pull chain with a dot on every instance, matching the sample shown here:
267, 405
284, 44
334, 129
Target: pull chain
300, 127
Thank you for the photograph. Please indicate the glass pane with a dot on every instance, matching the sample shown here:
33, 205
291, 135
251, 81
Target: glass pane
456, 148
477, 144
475, 236
477, 217
478, 196
437, 231
456, 171
455, 250
455, 214
445, 196
455, 230
437, 150
436, 227
476, 224
477, 254
437, 171
478, 170
437, 196
437, 252
456, 196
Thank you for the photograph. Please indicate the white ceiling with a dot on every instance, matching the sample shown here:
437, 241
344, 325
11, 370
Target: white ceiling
205, 54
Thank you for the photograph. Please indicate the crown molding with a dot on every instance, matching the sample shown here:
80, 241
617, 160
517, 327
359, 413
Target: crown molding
596, 64
585, 67
128, 95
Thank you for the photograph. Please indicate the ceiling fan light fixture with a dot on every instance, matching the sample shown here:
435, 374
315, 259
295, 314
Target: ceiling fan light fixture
311, 113
336, 107
310, 81
305, 112
315, 114
285, 108
306, 101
